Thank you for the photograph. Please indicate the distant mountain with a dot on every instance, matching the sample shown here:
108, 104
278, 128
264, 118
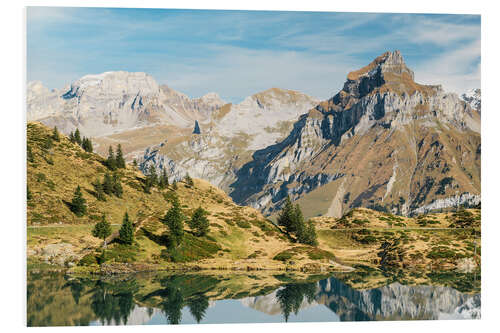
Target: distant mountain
114, 102
233, 133
384, 141
473, 97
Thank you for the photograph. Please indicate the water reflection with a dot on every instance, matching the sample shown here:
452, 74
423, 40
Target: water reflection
57, 300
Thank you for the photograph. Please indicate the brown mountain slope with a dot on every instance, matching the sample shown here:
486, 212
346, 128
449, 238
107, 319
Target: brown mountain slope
383, 141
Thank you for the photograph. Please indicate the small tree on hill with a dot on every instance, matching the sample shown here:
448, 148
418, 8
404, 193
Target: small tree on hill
72, 137
174, 185
174, 220
117, 185
120, 161
55, 134
107, 184
127, 231
111, 160
99, 190
102, 229
199, 222
287, 216
151, 179
308, 235
78, 138
188, 180
163, 181
87, 145
78, 206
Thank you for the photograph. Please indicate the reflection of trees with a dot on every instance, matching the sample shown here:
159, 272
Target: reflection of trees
172, 305
198, 304
113, 301
76, 288
292, 295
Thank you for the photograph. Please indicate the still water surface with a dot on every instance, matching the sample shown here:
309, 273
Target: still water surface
159, 299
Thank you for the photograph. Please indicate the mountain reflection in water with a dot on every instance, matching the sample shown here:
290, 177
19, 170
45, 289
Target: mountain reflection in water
57, 300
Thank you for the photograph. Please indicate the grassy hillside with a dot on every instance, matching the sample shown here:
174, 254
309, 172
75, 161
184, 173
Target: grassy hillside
238, 237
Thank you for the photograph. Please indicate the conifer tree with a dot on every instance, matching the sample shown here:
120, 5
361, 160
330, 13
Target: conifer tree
78, 138
174, 185
286, 216
72, 137
107, 184
127, 231
174, 220
99, 190
102, 229
163, 182
87, 145
152, 175
134, 162
120, 162
78, 206
117, 185
188, 180
55, 134
199, 222
111, 160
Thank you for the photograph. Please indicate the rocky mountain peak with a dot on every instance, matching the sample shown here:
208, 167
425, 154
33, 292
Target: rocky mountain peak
389, 62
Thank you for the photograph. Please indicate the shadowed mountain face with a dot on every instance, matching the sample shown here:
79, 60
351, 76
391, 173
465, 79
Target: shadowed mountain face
383, 140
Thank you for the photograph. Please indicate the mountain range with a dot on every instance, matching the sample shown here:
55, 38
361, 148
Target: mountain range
383, 141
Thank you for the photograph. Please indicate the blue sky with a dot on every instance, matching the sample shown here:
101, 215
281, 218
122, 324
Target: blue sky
238, 53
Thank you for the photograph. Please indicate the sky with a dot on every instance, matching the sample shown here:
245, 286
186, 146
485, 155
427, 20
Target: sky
239, 53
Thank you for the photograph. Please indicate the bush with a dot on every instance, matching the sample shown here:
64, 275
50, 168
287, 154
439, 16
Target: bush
283, 256
243, 223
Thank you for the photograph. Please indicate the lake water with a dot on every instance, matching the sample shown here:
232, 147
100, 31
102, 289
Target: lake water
157, 299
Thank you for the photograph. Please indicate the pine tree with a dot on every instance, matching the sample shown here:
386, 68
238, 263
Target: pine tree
102, 229
78, 139
99, 190
163, 182
199, 222
87, 145
78, 206
174, 220
127, 231
174, 185
134, 163
120, 162
286, 216
152, 175
72, 137
117, 185
311, 236
188, 180
111, 161
55, 134
107, 184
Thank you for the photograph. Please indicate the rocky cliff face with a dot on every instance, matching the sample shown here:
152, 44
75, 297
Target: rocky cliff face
383, 140
232, 135
113, 102
473, 97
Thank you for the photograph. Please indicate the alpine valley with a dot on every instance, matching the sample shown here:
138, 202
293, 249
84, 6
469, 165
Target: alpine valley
383, 141
143, 202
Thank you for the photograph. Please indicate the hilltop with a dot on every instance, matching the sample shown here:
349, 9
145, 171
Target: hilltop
239, 237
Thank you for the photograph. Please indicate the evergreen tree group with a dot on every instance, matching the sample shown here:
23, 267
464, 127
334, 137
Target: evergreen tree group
115, 162
163, 179
199, 222
111, 185
127, 231
78, 206
102, 229
75, 137
174, 220
293, 220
